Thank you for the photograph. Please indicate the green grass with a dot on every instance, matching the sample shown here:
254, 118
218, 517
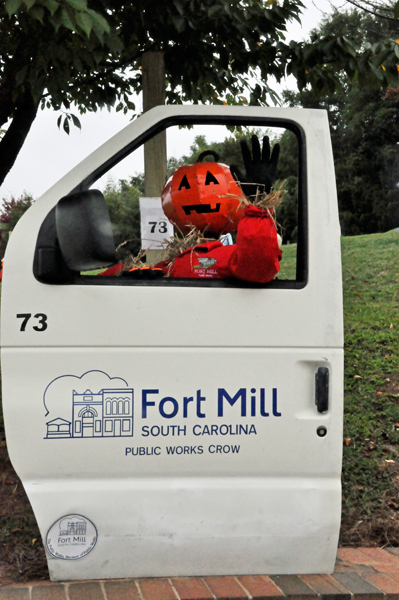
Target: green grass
288, 262
371, 426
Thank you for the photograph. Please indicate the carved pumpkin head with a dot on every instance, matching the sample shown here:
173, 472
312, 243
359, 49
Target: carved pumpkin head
203, 195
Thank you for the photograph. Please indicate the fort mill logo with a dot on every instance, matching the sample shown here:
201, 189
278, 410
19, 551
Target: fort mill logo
71, 537
95, 405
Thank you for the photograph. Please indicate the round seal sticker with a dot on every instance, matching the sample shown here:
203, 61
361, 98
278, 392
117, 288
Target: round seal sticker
71, 537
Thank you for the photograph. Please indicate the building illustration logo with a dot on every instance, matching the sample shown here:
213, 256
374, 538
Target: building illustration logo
77, 527
71, 537
104, 413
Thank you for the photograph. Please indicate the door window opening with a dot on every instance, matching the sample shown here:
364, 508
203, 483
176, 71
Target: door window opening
127, 204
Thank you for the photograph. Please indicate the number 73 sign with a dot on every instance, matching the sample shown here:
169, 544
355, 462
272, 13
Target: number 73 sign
155, 227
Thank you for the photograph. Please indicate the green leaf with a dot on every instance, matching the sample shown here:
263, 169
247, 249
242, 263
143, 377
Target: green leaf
77, 63
56, 21
78, 4
76, 121
29, 3
37, 12
51, 5
85, 22
66, 20
396, 10
114, 43
12, 6
66, 125
214, 10
179, 24
98, 55
99, 21
59, 121
178, 6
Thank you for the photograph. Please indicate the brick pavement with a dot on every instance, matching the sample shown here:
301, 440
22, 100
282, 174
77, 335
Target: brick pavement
360, 574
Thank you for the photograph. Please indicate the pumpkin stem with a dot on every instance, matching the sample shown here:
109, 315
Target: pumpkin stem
208, 153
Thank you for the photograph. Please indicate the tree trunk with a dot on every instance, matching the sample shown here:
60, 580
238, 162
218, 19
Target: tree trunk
153, 73
14, 138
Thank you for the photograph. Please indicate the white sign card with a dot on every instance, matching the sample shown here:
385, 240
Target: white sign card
155, 227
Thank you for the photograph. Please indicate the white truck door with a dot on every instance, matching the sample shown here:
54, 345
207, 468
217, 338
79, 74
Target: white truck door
181, 427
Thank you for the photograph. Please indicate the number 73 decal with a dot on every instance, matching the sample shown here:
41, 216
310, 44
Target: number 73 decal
41, 321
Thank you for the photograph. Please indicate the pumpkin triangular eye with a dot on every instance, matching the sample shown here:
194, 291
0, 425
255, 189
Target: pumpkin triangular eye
210, 179
184, 183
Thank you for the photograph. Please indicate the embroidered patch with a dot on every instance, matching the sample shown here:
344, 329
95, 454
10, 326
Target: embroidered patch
205, 263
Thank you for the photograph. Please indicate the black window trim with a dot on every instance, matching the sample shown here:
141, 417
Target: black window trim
177, 120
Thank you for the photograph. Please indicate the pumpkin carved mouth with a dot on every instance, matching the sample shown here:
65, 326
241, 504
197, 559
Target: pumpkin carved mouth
200, 208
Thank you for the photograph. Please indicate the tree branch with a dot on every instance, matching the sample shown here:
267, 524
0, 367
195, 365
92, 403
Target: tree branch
13, 140
371, 12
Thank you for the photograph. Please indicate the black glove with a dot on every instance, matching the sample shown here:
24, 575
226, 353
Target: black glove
260, 172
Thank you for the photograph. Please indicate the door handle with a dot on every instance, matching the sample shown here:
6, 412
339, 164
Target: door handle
322, 380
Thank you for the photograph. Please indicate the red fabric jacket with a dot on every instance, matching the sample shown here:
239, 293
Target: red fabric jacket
255, 257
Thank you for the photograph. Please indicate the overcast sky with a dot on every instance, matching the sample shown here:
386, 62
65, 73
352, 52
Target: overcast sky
49, 153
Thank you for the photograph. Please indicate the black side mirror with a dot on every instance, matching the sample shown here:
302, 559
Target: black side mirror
84, 231
75, 236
